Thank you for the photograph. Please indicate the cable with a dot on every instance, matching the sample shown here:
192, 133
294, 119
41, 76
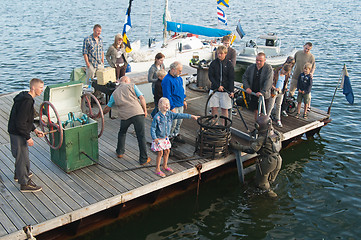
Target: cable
146, 166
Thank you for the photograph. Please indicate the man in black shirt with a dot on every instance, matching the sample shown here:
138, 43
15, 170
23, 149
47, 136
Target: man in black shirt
21, 123
221, 75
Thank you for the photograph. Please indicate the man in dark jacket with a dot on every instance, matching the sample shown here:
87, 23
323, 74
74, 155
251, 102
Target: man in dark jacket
221, 75
258, 78
21, 123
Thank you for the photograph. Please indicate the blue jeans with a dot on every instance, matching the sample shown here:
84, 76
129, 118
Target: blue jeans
138, 123
176, 123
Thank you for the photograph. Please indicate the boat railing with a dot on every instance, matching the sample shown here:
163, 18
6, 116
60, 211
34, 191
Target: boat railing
261, 101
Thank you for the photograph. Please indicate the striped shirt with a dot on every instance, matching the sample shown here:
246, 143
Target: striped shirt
93, 49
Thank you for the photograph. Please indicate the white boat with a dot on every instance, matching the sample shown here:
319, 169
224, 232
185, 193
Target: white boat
182, 46
271, 46
181, 49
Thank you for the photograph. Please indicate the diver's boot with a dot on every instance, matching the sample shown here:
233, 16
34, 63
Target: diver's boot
272, 194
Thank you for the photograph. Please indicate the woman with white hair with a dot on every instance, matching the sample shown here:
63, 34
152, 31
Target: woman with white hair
117, 56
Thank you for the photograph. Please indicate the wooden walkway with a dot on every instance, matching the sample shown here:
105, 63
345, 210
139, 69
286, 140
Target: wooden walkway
66, 198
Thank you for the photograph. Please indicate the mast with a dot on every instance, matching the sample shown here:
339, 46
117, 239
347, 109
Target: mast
166, 17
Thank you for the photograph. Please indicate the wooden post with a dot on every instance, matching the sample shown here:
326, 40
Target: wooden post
239, 166
203, 81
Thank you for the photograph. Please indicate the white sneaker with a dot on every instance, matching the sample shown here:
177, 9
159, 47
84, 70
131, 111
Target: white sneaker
284, 113
279, 124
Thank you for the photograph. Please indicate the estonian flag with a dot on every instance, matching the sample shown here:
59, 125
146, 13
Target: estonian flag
239, 30
346, 85
223, 2
127, 26
221, 16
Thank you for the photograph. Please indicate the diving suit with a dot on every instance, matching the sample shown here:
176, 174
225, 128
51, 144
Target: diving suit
268, 145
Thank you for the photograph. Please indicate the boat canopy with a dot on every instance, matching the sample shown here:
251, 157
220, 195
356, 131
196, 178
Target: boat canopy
269, 36
199, 30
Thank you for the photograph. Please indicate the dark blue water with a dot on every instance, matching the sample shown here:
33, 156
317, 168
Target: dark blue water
319, 186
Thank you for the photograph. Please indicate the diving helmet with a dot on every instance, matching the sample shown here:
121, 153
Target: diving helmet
263, 123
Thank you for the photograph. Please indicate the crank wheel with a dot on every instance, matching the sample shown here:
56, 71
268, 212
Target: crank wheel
93, 113
208, 121
53, 131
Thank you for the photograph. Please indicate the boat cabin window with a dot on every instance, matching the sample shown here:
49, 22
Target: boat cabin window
270, 42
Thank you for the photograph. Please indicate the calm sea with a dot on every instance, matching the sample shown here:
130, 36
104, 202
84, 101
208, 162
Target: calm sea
319, 186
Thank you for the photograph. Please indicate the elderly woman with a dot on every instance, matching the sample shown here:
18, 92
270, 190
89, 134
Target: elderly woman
117, 56
158, 65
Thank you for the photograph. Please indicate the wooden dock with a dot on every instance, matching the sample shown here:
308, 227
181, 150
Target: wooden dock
68, 198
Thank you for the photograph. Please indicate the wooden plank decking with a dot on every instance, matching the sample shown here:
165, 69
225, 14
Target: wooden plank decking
66, 198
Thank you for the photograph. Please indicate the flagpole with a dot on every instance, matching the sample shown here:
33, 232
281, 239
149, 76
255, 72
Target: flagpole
217, 16
126, 27
165, 18
338, 83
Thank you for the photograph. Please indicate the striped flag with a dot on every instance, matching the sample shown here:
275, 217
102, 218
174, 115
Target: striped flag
223, 2
221, 16
239, 30
346, 85
126, 28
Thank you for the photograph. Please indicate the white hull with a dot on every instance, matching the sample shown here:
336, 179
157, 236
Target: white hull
143, 57
246, 59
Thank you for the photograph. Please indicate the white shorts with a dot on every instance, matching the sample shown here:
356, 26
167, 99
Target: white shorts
220, 99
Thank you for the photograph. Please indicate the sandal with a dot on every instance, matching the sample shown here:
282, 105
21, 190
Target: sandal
305, 116
168, 169
297, 115
160, 174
